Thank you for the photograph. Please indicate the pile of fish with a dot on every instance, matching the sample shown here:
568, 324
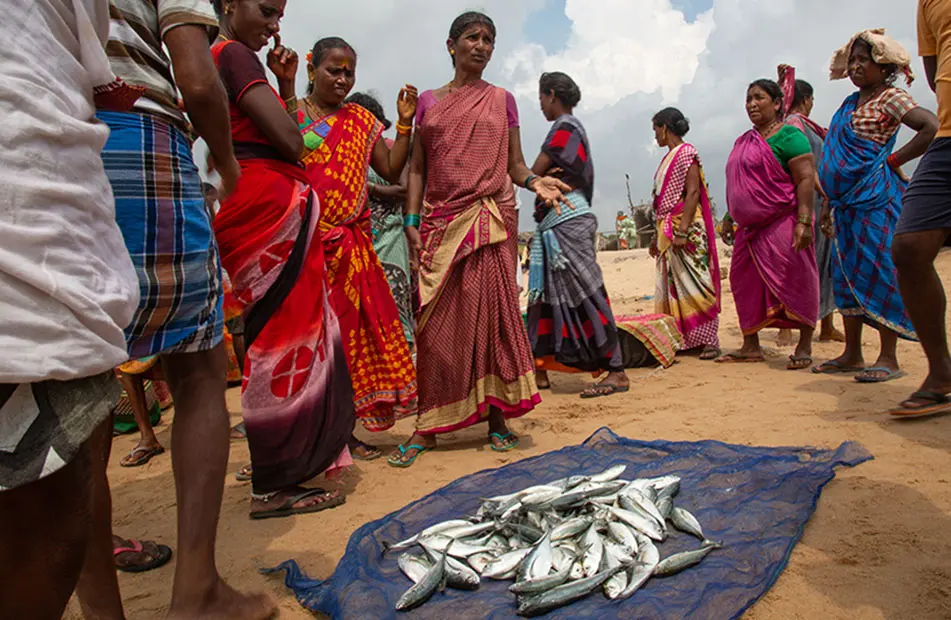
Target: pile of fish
558, 542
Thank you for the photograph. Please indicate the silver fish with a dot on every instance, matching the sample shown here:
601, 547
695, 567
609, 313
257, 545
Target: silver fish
647, 552
421, 591
647, 506
618, 553
617, 583
623, 534
571, 528
505, 563
666, 486
538, 563
665, 506
460, 576
637, 576
543, 584
562, 595
479, 561
561, 558
609, 474
497, 541
594, 551
468, 530
414, 567
686, 522
542, 497
577, 571
680, 561
455, 548
640, 522
434, 529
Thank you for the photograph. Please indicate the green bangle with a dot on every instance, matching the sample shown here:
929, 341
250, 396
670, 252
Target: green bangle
411, 219
529, 179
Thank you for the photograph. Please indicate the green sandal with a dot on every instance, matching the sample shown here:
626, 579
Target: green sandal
502, 439
399, 462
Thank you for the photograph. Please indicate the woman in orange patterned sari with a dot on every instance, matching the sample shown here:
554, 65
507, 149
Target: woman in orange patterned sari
343, 141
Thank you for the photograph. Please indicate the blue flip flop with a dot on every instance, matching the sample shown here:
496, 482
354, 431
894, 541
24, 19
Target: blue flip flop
890, 375
832, 367
394, 462
502, 439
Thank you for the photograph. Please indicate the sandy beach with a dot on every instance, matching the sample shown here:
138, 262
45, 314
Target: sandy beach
877, 547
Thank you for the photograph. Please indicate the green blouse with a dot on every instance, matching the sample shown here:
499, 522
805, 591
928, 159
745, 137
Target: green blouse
789, 143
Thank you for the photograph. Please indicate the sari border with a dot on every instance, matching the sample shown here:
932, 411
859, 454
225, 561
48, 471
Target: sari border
524, 385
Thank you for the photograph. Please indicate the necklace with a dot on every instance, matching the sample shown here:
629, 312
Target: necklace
769, 129
314, 111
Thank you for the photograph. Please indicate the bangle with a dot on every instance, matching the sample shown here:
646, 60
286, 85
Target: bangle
680, 234
529, 179
893, 162
404, 130
805, 221
411, 219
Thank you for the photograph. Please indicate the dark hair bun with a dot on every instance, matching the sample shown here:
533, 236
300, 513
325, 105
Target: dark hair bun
674, 120
566, 89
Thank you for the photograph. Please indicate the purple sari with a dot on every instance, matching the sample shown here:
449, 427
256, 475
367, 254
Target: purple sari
774, 285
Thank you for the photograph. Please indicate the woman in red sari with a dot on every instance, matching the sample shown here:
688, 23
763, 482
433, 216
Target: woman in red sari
296, 396
475, 363
343, 141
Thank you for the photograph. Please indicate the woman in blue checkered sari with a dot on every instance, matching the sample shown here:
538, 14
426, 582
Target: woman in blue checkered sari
864, 182
570, 323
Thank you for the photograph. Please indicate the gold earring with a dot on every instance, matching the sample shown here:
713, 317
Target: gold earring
452, 52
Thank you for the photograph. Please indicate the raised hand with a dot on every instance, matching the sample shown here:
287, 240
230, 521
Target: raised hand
282, 61
406, 104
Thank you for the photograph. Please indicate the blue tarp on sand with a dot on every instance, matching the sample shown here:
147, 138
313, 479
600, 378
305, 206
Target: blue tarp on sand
755, 500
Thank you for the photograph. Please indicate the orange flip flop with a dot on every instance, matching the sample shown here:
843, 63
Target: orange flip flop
940, 404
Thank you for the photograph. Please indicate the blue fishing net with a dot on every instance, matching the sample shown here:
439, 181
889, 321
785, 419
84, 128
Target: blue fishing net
755, 500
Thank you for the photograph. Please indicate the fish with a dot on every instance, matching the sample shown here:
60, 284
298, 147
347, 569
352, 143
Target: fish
577, 571
468, 530
666, 486
571, 528
542, 584
665, 506
505, 563
527, 533
479, 561
648, 507
460, 576
593, 551
563, 595
425, 587
537, 564
686, 522
637, 576
434, 529
540, 498
609, 474
623, 534
561, 558
647, 552
640, 522
414, 567
455, 548
618, 582
680, 561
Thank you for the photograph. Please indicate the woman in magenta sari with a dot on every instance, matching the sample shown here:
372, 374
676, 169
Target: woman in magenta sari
770, 192
688, 268
474, 360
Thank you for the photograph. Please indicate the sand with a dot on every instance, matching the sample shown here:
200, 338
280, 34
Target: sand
877, 547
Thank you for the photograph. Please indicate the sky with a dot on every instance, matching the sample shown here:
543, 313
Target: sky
631, 58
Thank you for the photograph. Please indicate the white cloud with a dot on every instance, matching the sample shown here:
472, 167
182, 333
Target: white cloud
631, 58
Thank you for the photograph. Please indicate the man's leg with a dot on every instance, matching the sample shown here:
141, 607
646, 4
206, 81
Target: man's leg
98, 587
43, 540
199, 459
925, 300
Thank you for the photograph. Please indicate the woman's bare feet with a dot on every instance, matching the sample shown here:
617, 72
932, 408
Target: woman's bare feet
828, 331
223, 602
785, 338
542, 380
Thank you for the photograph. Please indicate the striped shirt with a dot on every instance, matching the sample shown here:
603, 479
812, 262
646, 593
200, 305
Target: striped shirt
136, 31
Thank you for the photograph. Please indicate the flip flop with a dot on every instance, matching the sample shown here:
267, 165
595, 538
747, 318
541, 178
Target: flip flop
373, 453
394, 462
736, 358
243, 474
833, 367
711, 354
601, 390
239, 432
799, 362
146, 455
890, 376
502, 439
286, 508
940, 404
160, 559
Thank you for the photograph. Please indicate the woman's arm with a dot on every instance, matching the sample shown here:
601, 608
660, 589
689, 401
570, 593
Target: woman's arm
691, 204
804, 177
389, 162
926, 124
262, 107
388, 193
542, 165
415, 184
549, 189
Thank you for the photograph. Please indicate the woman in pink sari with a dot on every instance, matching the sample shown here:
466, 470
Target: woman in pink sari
688, 268
770, 192
474, 360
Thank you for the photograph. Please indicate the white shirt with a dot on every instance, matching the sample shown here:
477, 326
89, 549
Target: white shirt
68, 284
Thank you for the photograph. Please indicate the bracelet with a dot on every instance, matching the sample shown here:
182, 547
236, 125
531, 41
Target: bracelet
893, 162
411, 219
528, 180
681, 234
404, 130
805, 221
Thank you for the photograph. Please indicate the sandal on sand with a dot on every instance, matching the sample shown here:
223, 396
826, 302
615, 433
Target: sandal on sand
602, 389
239, 432
738, 358
243, 474
156, 556
399, 462
889, 375
710, 354
502, 438
939, 404
799, 362
286, 509
141, 455
833, 367
370, 453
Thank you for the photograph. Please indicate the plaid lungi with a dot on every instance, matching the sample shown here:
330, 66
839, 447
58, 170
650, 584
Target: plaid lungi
167, 228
